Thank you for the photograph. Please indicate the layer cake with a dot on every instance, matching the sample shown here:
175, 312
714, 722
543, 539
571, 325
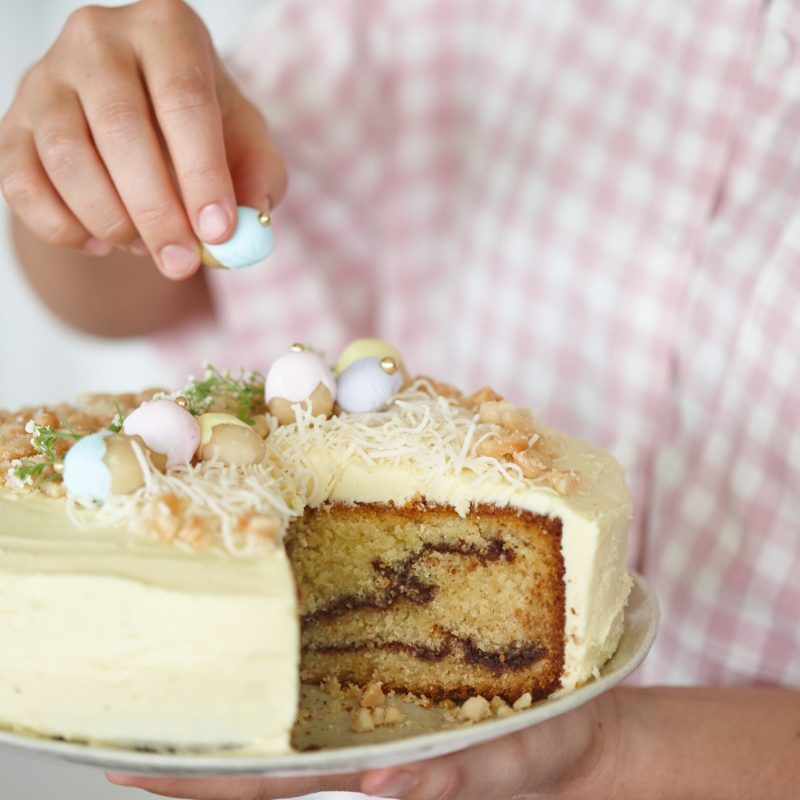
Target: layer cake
442, 544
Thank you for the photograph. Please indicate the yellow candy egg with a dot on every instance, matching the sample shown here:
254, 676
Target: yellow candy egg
227, 439
369, 348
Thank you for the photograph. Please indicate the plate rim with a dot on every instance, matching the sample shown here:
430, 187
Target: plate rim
350, 758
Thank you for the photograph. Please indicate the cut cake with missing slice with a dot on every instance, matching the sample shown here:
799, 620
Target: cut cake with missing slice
443, 545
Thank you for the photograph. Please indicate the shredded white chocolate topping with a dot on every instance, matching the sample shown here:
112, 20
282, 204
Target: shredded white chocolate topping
435, 435
247, 508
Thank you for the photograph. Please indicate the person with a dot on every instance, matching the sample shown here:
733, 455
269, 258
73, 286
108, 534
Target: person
593, 205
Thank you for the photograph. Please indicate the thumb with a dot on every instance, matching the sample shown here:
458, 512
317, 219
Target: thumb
256, 165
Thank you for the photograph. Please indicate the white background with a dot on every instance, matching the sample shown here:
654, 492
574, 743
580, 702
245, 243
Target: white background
42, 360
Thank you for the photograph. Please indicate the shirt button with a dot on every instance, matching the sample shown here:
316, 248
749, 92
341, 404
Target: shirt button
776, 51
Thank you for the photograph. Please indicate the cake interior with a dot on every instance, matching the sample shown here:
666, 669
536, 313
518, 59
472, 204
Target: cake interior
429, 602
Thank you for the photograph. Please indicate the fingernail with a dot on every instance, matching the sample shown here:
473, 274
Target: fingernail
394, 785
97, 247
138, 248
120, 778
213, 222
177, 261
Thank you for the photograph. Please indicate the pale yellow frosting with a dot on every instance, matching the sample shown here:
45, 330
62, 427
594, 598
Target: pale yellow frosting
161, 645
111, 637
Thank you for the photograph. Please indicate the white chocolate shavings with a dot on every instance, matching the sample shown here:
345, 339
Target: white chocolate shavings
435, 435
240, 506
247, 508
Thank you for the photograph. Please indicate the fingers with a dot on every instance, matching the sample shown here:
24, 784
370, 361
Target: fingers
236, 788
31, 195
544, 760
178, 67
257, 167
68, 155
500, 769
122, 128
129, 132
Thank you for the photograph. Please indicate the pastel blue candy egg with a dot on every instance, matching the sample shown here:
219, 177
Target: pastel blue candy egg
85, 473
365, 386
251, 242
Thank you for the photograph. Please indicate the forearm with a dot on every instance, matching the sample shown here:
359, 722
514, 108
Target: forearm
118, 295
708, 743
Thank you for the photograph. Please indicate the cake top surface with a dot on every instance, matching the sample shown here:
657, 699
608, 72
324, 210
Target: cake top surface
225, 462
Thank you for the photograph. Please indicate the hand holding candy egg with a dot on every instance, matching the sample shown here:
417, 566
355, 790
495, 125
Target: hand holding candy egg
252, 241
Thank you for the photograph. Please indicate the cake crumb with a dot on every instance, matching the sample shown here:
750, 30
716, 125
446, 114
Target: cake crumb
475, 709
363, 721
438, 387
484, 395
331, 686
523, 701
501, 446
497, 703
502, 413
418, 700
373, 695
353, 691
367, 719
565, 482
393, 716
504, 711
258, 525
532, 464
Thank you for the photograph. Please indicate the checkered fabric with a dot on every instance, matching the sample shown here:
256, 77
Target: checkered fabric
591, 205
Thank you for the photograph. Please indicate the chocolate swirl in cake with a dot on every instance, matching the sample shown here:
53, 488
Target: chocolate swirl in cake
403, 586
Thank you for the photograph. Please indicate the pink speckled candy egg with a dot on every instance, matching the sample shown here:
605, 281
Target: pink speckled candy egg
298, 376
165, 428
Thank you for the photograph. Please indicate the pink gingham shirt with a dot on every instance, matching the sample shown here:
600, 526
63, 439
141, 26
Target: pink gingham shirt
593, 206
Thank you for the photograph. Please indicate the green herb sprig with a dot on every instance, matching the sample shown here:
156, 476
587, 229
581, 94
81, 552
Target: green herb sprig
44, 439
245, 392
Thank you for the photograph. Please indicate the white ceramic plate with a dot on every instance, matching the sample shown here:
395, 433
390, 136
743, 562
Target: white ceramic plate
328, 745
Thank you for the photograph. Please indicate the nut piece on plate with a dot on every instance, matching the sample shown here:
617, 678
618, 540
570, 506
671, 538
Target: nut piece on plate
475, 709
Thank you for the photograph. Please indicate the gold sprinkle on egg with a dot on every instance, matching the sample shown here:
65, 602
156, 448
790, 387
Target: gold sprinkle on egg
297, 347
389, 365
265, 219
182, 402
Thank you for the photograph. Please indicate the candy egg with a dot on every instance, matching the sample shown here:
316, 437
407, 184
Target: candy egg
297, 377
121, 460
367, 384
252, 241
104, 463
321, 400
227, 439
85, 472
368, 348
165, 428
